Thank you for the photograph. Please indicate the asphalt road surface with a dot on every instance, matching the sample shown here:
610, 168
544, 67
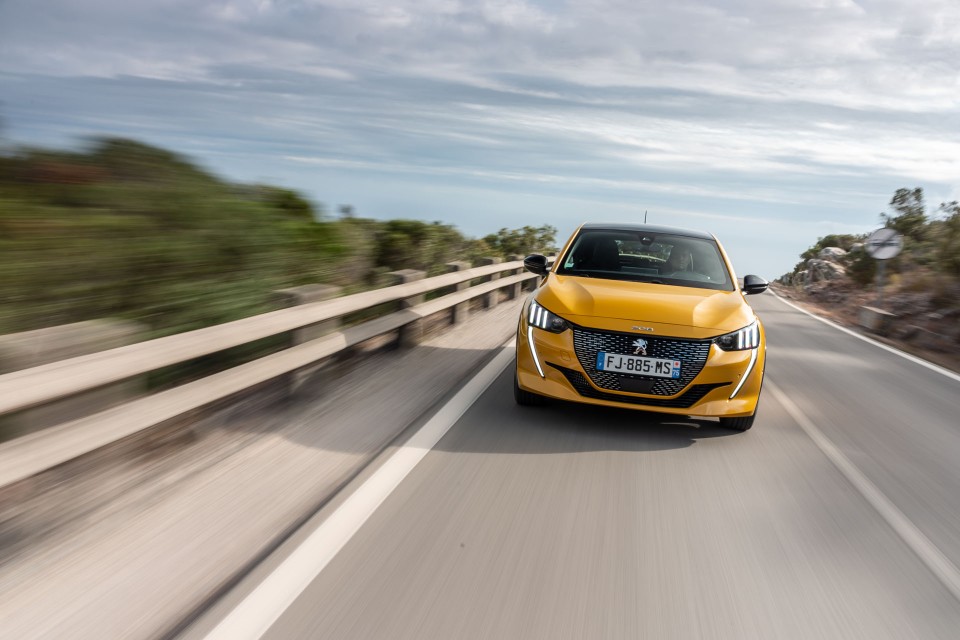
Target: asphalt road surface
836, 516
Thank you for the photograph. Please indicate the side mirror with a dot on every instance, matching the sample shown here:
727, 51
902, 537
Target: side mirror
536, 263
754, 284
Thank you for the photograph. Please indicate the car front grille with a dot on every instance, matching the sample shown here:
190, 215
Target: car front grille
684, 401
692, 354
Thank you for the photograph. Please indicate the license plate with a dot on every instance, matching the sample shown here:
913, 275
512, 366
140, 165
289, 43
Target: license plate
638, 365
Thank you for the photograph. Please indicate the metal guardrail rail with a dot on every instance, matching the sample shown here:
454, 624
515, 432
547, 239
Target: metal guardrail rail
35, 452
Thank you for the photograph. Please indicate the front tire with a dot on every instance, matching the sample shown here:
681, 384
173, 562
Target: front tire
525, 398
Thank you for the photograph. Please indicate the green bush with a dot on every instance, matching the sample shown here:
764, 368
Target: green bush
861, 267
127, 230
152, 239
948, 247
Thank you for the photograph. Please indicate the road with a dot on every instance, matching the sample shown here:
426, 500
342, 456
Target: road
836, 516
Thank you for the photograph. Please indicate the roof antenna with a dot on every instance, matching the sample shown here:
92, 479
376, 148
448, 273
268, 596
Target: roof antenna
644, 216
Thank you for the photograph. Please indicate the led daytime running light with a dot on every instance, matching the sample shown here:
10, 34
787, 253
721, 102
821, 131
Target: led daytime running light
533, 351
746, 374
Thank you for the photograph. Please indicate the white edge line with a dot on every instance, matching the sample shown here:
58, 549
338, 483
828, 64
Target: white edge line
910, 357
929, 554
256, 613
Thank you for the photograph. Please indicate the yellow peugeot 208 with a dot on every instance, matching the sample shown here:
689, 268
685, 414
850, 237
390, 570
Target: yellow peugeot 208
643, 317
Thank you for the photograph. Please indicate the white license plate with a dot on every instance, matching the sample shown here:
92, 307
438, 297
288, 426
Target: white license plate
638, 365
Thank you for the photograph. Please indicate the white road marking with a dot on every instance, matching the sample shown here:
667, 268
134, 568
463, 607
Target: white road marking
929, 554
911, 358
256, 613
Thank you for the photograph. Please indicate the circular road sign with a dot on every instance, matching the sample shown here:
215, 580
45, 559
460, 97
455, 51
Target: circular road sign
884, 244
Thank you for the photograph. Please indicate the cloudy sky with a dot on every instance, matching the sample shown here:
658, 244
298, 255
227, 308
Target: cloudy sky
767, 122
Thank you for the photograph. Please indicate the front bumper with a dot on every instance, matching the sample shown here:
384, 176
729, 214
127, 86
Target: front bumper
562, 375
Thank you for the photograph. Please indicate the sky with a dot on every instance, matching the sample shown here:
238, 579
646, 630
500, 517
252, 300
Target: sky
769, 123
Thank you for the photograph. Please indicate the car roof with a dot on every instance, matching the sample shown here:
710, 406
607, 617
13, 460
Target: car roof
651, 228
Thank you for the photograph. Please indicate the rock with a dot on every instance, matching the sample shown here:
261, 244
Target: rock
856, 247
909, 303
832, 254
906, 332
825, 294
819, 270
926, 339
875, 320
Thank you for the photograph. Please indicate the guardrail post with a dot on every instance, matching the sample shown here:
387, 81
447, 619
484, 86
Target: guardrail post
295, 296
459, 313
532, 283
410, 334
514, 291
42, 346
490, 299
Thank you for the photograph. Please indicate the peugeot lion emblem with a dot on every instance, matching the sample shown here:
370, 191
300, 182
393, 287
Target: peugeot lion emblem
641, 347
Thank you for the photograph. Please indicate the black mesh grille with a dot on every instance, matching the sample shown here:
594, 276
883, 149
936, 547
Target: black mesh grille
693, 395
692, 353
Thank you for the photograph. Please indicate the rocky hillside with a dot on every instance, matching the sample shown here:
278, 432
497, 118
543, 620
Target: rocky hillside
924, 300
829, 265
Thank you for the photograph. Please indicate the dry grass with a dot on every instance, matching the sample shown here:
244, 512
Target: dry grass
913, 303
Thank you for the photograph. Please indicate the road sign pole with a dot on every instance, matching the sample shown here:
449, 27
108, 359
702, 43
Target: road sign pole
881, 268
882, 245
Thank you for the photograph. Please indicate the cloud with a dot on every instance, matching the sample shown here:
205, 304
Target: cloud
895, 55
753, 109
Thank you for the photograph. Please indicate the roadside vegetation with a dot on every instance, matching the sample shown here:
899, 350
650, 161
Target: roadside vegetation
930, 258
126, 230
921, 286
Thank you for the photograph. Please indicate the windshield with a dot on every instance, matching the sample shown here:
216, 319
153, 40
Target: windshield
647, 257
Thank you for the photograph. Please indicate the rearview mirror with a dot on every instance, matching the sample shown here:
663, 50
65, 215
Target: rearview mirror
754, 284
536, 263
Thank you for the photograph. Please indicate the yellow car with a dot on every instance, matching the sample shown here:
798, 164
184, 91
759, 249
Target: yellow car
642, 317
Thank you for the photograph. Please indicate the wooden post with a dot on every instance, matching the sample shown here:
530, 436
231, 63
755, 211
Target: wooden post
411, 334
514, 291
295, 296
460, 312
490, 299
43, 346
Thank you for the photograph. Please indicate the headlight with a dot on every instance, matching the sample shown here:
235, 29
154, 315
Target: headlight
539, 317
740, 340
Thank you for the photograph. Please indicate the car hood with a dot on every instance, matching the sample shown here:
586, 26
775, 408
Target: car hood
584, 301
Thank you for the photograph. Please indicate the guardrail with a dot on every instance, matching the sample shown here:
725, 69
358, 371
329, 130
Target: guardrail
20, 390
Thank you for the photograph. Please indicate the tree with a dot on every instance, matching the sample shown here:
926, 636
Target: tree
522, 241
414, 244
948, 249
291, 204
910, 217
